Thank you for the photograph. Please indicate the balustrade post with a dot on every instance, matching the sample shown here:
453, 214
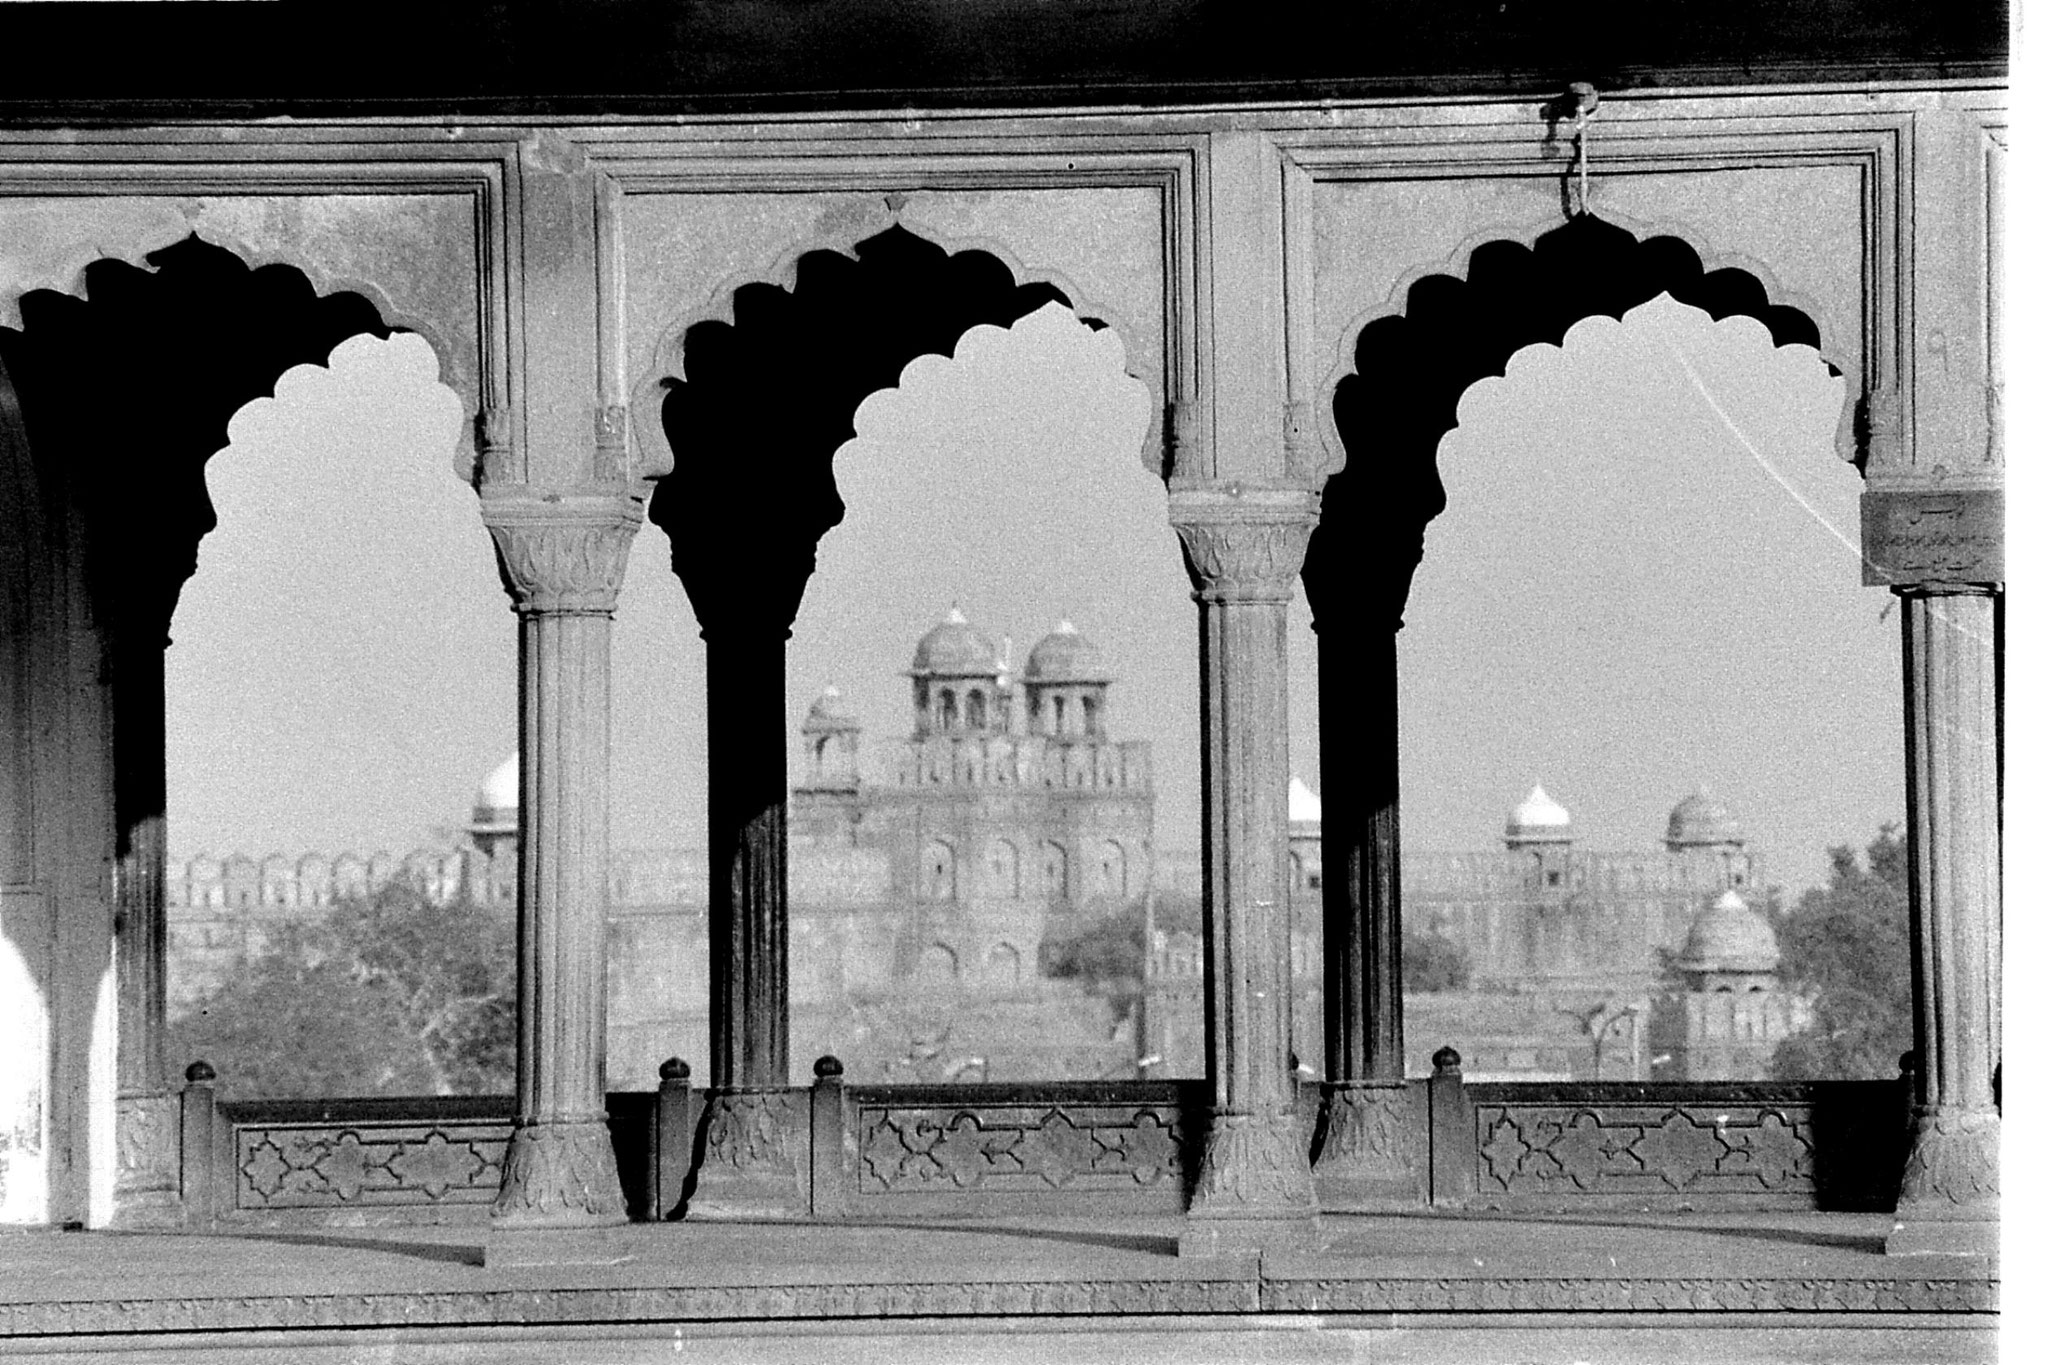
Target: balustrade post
1244, 548
564, 556
668, 1164
829, 1193
1453, 1174
198, 1158
1948, 1197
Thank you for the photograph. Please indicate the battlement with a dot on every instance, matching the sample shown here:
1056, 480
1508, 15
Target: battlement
1026, 761
314, 880
1507, 873
639, 878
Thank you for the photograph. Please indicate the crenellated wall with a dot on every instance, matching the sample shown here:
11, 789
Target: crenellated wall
1005, 760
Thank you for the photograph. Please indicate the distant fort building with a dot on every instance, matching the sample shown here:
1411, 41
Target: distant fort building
1009, 816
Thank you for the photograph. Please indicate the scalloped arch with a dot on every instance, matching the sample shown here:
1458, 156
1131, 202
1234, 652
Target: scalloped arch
460, 365
1411, 368
133, 385
767, 395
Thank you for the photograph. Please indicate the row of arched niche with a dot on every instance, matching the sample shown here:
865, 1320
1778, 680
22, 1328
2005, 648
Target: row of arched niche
1002, 876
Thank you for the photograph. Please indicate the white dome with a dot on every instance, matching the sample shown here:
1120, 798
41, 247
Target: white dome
1303, 805
1728, 936
954, 648
500, 790
1539, 818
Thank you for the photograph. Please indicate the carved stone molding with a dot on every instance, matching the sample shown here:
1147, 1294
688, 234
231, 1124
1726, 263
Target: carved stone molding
1952, 1165
563, 555
1020, 1148
548, 152
368, 1164
1244, 544
1880, 431
756, 1160
560, 1175
986, 1296
1308, 455
608, 462
752, 1131
1734, 1154
1934, 540
972, 1295
1374, 1144
1181, 447
146, 1161
494, 444
1640, 1294
1253, 1167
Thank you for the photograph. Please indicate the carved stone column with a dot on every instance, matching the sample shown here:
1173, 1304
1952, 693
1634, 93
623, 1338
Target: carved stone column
133, 601
1373, 1147
146, 1111
563, 556
1948, 1198
1244, 548
755, 1131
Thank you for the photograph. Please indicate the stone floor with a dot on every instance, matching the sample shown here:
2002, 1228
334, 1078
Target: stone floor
1397, 1288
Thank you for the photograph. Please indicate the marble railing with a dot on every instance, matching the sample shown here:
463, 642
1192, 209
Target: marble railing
1056, 1147
1701, 1145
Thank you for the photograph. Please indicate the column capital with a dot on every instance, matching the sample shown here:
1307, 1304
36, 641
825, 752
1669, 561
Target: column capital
562, 554
1910, 591
1244, 543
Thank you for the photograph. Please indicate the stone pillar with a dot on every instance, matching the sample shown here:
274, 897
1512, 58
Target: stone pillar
1948, 1198
1372, 1152
745, 694
563, 557
146, 1111
1244, 547
755, 1161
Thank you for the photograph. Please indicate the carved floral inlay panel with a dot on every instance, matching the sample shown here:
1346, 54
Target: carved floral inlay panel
368, 1164
1653, 1150
1021, 1148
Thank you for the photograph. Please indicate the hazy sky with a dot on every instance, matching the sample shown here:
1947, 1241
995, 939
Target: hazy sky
1625, 599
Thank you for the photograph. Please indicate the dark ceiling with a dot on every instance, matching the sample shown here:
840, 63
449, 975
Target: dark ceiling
72, 63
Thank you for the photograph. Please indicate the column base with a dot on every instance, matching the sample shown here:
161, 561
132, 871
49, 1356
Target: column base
559, 1175
1253, 1191
1374, 1151
1948, 1196
756, 1156
146, 1178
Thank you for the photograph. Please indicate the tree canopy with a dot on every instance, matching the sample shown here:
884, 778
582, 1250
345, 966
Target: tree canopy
1108, 956
1845, 946
387, 994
